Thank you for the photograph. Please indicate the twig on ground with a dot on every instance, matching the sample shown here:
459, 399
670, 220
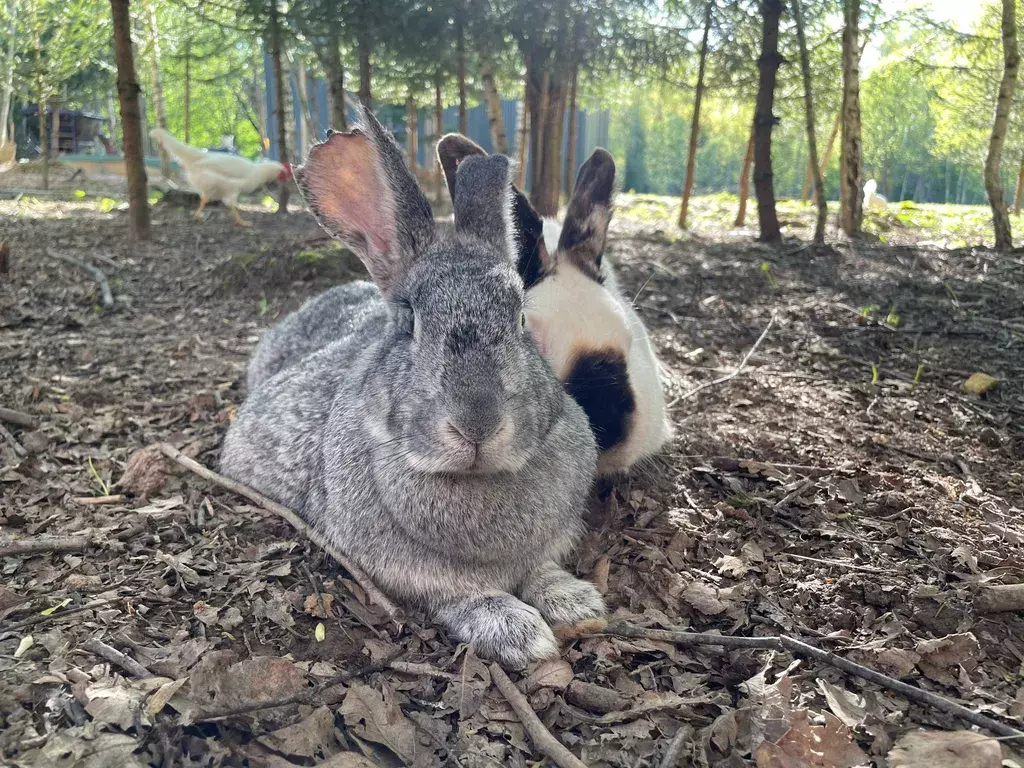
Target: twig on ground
17, 417
294, 520
33, 620
90, 501
39, 546
114, 656
727, 377
19, 449
106, 297
836, 563
311, 696
782, 642
538, 733
675, 747
999, 598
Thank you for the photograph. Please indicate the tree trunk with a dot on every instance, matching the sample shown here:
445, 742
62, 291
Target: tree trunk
55, 129
7, 90
765, 120
812, 142
438, 133
906, 178
112, 119
570, 158
945, 198
494, 117
131, 120
691, 153
306, 124
187, 99
411, 128
1020, 187
805, 191
522, 139
365, 72
1004, 101
546, 197
538, 92
460, 50
281, 117
158, 85
851, 199
744, 191
41, 100
831, 145
960, 188
335, 71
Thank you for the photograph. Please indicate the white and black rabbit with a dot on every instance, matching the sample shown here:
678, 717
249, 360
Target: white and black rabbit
428, 439
586, 328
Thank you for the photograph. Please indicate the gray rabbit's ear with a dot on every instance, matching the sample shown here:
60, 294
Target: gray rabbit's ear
590, 211
359, 189
452, 149
483, 202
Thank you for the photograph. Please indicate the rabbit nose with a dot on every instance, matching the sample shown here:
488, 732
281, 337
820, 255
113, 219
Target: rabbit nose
476, 422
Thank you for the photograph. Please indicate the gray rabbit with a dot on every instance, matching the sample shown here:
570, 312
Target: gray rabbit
418, 428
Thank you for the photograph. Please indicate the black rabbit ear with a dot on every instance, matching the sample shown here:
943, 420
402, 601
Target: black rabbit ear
483, 202
359, 189
451, 151
590, 211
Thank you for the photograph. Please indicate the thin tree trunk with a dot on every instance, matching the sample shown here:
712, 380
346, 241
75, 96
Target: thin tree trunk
1004, 102
7, 86
279, 98
570, 157
960, 188
158, 85
493, 99
831, 144
187, 99
906, 178
812, 143
539, 94
522, 139
335, 71
764, 121
41, 100
850, 196
131, 120
1020, 187
805, 191
306, 124
55, 129
112, 119
546, 197
945, 198
411, 128
691, 153
365, 72
438, 133
744, 191
460, 50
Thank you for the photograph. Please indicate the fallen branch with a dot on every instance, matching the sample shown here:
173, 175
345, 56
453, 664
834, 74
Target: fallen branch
32, 620
294, 520
18, 448
114, 656
782, 642
17, 417
39, 546
727, 377
999, 598
106, 297
538, 733
91, 501
311, 697
675, 747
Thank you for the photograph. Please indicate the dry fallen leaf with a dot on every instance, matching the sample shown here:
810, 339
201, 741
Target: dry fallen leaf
847, 706
163, 695
951, 649
704, 598
376, 717
979, 383
312, 736
830, 746
945, 749
549, 673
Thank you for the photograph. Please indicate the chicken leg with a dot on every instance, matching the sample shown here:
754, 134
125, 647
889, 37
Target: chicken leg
237, 217
199, 211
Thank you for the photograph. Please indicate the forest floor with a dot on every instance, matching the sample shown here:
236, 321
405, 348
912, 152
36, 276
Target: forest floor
843, 489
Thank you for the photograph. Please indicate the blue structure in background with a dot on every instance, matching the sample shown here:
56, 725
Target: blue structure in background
591, 128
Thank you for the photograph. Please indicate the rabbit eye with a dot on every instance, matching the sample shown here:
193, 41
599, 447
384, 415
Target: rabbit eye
522, 320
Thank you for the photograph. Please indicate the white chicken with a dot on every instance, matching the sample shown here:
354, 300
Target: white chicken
871, 197
220, 176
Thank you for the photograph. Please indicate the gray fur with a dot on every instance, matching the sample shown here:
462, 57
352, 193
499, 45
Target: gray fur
424, 435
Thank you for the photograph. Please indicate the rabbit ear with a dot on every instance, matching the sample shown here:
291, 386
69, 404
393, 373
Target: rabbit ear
452, 150
590, 211
532, 254
359, 189
483, 202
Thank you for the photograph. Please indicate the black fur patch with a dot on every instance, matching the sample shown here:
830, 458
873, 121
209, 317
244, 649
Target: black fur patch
598, 382
531, 236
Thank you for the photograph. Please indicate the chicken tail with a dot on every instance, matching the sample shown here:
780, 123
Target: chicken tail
179, 150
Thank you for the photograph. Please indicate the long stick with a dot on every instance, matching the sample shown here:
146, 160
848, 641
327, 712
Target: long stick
792, 645
539, 734
727, 377
106, 297
39, 546
114, 656
293, 519
17, 417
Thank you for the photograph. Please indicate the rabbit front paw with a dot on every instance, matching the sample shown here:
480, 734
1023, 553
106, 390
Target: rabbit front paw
500, 627
561, 598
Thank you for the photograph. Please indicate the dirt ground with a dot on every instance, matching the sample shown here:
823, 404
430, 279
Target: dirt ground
843, 489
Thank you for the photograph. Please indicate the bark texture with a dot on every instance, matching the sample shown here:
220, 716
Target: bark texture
1004, 102
497, 124
280, 101
851, 199
570, 155
158, 87
765, 120
131, 120
744, 190
691, 152
812, 142
364, 45
335, 70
